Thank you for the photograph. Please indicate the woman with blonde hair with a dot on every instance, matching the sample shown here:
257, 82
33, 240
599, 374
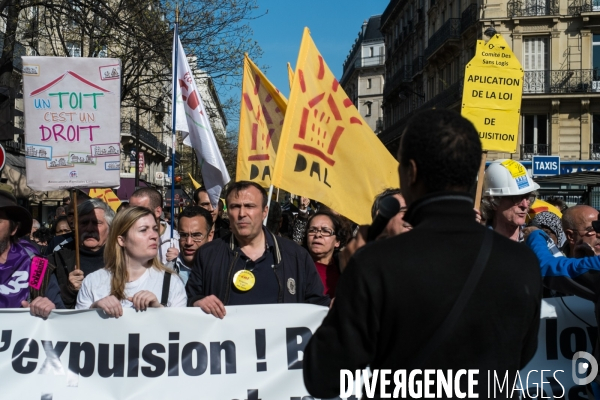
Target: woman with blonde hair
133, 277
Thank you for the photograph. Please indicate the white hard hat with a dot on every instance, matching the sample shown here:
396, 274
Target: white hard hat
507, 178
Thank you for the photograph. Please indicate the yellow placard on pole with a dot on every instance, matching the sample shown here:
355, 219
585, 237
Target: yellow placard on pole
493, 88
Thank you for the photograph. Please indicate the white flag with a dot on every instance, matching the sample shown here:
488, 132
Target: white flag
193, 121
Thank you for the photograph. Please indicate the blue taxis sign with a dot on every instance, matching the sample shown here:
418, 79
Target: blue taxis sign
545, 165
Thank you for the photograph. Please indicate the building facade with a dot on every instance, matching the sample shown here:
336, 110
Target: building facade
145, 93
556, 41
428, 43
363, 73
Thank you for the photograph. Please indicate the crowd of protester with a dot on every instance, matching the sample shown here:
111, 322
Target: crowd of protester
216, 258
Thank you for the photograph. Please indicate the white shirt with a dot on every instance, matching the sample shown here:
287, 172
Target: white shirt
165, 242
96, 286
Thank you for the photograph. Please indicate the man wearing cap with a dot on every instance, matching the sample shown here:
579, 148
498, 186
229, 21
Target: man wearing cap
17, 258
508, 192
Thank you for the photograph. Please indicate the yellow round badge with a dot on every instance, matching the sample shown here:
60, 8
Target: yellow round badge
244, 280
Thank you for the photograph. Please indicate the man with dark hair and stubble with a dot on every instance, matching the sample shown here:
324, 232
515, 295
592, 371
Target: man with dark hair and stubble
394, 299
194, 225
251, 265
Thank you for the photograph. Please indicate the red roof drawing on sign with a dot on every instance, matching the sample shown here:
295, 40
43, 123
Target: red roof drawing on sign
60, 78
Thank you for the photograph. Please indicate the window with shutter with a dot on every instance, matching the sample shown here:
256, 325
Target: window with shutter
536, 65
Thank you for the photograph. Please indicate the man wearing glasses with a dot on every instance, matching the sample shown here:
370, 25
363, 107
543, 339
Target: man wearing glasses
195, 229
508, 192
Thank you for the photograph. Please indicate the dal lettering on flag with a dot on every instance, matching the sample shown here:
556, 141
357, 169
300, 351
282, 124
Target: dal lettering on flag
327, 151
261, 119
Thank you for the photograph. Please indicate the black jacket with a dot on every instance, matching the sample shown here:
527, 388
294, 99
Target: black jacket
396, 292
214, 267
64, 260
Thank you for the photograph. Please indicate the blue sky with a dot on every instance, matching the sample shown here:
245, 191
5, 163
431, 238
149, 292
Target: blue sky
334, 25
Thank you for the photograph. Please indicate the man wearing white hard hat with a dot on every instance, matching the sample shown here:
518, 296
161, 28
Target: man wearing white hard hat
508, 192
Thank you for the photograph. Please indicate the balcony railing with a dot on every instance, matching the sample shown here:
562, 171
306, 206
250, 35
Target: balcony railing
561, 81
147, 137
532, 8
451, 95
407, 73
369, 61
468, 17
594, 151
530, 150
446, 98
417, 65
582, 6
361, 63
450, 30
16, 146
404, 75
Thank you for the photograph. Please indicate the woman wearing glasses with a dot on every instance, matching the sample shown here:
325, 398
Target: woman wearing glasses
324, 237
133, 276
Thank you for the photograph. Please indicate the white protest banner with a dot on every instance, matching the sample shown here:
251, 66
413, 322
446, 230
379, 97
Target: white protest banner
254, 353
567, 326
72, 122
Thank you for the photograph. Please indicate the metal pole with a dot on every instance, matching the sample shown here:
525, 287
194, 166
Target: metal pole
268, 205
174, 105
76, 226
137, 139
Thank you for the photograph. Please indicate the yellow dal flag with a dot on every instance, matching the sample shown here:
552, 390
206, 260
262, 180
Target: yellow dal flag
107, 196
290, 75
327, 151
195, 184
261, 119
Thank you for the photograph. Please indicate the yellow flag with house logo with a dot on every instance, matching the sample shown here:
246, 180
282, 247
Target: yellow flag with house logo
107, 196
290, 75
327, 151
261, 119
195, 184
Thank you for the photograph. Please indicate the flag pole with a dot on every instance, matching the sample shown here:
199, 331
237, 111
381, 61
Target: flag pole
174, 105
268, 204
74, 203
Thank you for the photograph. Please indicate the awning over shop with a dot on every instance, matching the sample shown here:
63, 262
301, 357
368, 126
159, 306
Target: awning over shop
587, 178
127, 188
